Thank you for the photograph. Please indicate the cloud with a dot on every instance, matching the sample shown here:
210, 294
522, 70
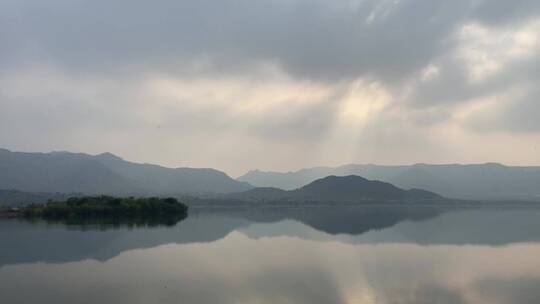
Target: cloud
514, 290
347, 39
503, 12
347, 81
310, 39
517, 113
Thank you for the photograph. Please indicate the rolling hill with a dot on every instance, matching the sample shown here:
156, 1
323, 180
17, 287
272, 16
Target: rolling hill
106, 173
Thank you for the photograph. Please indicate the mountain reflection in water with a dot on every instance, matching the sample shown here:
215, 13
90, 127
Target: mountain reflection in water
280, 255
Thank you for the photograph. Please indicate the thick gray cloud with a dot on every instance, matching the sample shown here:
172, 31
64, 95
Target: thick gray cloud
497, 12
290, 75
316, 39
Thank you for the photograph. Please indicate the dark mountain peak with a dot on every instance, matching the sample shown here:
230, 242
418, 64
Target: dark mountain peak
355, 188
338, 189
334, 183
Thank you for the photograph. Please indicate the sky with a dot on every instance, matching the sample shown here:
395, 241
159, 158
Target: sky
273, 85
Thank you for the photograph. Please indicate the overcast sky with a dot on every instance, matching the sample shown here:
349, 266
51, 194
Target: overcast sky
273, 84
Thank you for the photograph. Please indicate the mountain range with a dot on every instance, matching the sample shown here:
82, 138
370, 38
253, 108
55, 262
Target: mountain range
106, 173
488, 181
342, 189
48, 175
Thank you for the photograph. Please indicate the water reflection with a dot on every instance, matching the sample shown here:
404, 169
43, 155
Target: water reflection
238, 269
281, 256
27, 242
107, 222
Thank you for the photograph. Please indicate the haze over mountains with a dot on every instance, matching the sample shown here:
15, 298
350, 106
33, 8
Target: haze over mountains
105, 174
14, 198
481, 181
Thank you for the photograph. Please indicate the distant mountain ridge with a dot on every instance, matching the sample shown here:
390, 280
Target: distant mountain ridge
106, 174
478, 181
339, 189
15, 198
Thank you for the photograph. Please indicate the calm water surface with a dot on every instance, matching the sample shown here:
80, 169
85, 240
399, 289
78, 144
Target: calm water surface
285, 255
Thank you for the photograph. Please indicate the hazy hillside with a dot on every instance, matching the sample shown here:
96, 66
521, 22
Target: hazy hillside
60, 172
337, 189
12, 198
173, 180
481, 181
105, 174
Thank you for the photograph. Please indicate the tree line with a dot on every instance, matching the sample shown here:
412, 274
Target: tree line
108, 206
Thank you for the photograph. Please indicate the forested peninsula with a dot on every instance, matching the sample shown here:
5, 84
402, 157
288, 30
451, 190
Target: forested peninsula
107, 207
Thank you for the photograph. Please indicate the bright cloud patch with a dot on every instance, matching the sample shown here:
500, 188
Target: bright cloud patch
487, 51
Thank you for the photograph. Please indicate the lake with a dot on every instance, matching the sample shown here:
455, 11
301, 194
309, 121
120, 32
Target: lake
310, 255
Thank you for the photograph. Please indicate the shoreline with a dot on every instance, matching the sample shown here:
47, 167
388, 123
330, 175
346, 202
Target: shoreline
10, 214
